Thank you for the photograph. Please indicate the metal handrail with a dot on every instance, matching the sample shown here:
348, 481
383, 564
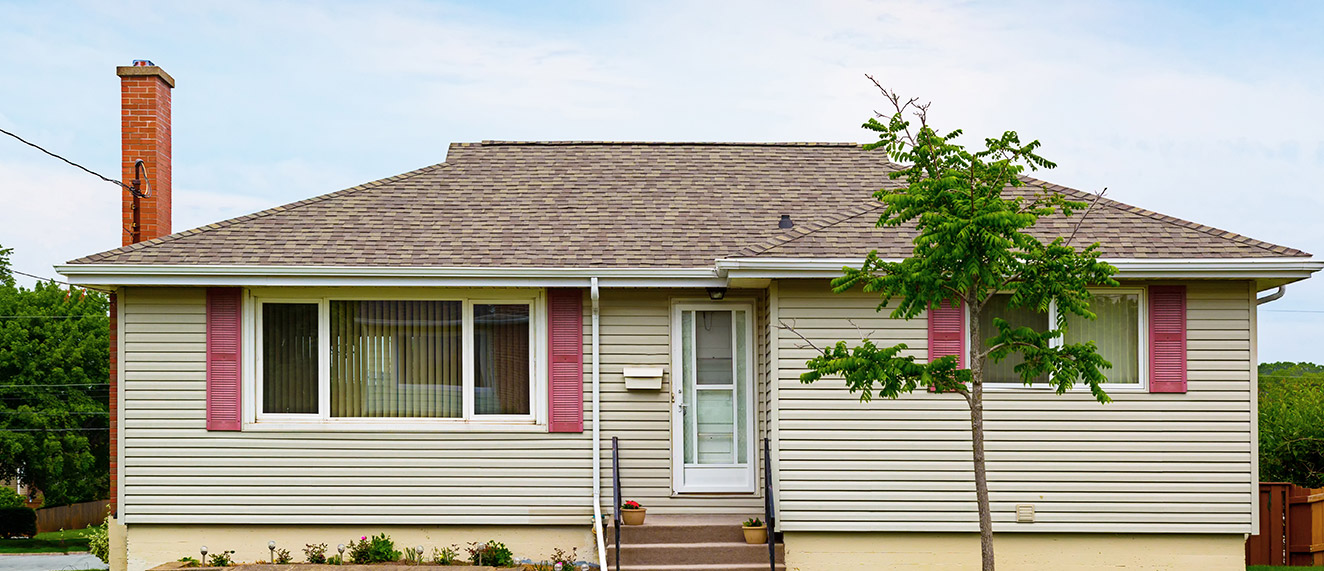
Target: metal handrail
616, 496
769, 509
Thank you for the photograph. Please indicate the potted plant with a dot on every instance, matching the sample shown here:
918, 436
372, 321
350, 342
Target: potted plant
755, 531
633, 513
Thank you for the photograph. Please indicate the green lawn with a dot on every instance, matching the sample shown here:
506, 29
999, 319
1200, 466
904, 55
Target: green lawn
1270, 568
51, 542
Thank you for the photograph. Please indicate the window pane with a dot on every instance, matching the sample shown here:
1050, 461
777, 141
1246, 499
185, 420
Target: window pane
687, 368
501, 359
396, 359
716, 426
713, 340
1116, 332
289, 358
1003, 372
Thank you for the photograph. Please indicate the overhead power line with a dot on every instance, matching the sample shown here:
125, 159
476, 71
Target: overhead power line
83, 168
54, 281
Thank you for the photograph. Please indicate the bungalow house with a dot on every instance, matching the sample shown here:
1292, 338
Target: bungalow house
446, 356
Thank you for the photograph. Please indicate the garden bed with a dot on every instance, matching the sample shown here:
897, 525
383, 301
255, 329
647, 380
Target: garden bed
175, 565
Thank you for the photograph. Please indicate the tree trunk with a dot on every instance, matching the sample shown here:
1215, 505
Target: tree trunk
981, 475
976, 401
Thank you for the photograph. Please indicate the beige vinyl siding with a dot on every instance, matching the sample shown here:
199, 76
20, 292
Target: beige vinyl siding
636, 330
178, 472
1145, 463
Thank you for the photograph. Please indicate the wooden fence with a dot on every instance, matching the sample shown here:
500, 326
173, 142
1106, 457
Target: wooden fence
1291, 526
72, 516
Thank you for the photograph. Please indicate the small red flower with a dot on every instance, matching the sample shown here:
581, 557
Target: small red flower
631, 505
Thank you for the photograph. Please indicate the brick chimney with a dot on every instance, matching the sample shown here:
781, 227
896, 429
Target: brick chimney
145, 135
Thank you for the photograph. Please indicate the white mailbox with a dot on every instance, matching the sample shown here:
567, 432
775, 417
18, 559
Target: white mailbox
644, 378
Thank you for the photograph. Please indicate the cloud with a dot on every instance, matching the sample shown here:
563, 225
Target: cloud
281, 101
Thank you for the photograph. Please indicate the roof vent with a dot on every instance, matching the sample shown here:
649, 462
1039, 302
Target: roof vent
785, 222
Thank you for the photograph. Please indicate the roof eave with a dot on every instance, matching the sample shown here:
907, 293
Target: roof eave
254, 275
1268, 272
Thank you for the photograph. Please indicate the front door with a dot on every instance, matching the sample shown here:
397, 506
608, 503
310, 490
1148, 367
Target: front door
713, 396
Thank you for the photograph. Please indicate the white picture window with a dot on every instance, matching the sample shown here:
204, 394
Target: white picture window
343, 360
1119, 333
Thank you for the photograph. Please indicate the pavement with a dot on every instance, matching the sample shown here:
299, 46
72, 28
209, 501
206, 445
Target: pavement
50, 562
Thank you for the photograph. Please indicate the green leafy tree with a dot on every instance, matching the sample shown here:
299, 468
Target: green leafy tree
972, 241
54, 370
1292, 423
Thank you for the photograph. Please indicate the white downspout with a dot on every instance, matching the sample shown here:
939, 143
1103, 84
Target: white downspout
597, 437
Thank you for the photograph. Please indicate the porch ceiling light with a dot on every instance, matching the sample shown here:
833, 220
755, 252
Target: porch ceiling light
716, 293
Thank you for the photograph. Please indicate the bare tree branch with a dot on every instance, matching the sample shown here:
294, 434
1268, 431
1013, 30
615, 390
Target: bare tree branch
1086, 214
782, 325
859, 331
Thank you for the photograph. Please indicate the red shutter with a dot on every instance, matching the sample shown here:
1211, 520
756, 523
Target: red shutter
1167, 339
947, 332
565, 340
224, 323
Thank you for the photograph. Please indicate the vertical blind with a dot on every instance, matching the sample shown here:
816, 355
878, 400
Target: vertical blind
1004, 371
1116, 332
396, 359
289, 358
501, 359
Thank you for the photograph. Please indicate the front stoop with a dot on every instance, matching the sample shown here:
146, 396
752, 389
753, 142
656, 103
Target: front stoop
682, 543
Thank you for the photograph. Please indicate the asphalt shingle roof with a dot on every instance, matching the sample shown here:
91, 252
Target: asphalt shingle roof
599, 204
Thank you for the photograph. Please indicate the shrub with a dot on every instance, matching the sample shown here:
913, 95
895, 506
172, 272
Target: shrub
315, 553
283, 557
493, 553
1291, 425
190, 562
18, 522
379, 549
98, 540
567, 560
445, 555
334, 560
221, 559
10, 499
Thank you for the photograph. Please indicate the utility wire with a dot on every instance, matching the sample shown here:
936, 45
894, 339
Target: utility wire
53, 316
3, 430
54, 281
85, 169
73, 384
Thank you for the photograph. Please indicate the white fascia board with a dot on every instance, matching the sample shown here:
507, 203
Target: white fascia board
154, 275
1133, 268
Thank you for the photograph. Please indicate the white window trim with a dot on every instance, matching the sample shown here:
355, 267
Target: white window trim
1142, 355
256, 420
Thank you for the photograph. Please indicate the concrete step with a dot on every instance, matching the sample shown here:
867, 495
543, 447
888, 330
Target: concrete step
681, 529
697, 553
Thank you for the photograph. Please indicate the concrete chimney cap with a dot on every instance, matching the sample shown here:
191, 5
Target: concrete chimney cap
145, 71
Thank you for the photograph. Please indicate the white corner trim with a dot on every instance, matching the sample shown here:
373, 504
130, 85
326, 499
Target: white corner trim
1134, 268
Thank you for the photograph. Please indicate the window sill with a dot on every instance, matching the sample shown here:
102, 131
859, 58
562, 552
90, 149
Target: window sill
420, 426
1079, 388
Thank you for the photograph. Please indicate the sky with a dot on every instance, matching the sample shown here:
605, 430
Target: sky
1208, 111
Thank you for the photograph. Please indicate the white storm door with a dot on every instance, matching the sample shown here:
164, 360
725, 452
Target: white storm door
713, 396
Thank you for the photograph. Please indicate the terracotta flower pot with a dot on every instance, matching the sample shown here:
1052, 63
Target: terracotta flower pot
633, 517
756, 535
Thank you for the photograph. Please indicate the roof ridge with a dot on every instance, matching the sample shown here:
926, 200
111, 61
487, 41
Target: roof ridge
818, 225
1210, 230
93, 258
490, 142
